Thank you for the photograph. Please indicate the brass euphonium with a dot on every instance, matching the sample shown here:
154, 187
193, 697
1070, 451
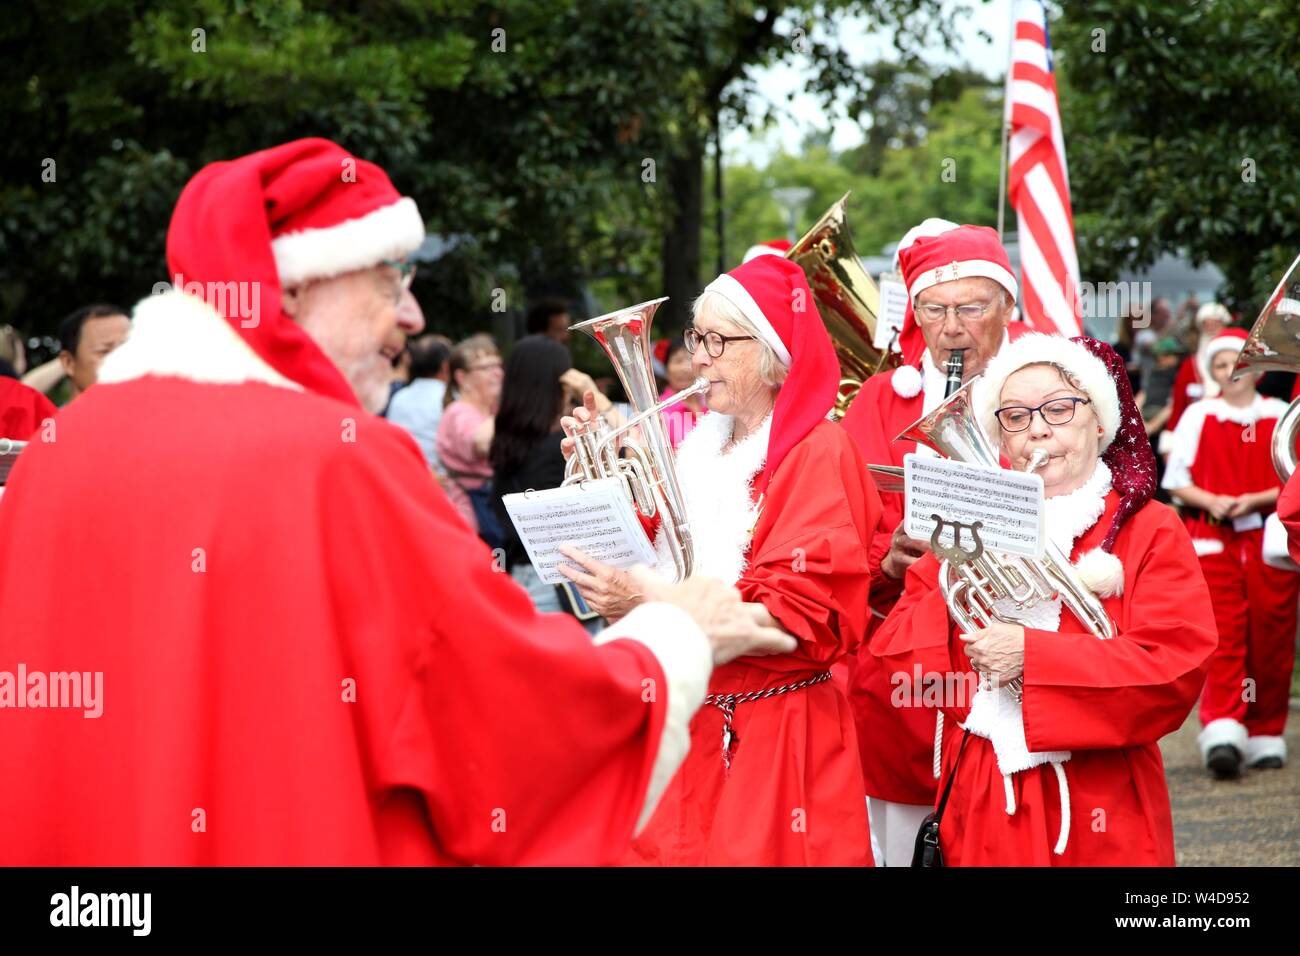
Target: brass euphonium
1274, 346
647, 473
972, 584
847, 299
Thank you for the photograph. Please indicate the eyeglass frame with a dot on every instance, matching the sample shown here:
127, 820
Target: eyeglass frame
703, 337
955, 309
1074, 400
405, 269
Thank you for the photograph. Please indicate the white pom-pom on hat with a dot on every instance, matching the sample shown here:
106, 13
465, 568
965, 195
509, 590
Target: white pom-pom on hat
907, 381
1102, 572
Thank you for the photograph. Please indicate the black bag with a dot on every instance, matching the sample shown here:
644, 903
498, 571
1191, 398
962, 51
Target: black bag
927, 852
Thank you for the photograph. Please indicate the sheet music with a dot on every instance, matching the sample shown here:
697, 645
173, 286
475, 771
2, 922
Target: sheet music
596, 517
1009, 503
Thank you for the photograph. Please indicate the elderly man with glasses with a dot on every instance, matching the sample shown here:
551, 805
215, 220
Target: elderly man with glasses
962, 298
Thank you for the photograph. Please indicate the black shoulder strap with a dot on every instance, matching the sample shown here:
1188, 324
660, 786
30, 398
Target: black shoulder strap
947, 788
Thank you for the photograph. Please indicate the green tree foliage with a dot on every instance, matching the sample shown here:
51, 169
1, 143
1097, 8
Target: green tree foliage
1180, 120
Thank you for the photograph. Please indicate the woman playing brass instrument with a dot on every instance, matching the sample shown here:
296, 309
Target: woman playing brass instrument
780, 503
1066, 771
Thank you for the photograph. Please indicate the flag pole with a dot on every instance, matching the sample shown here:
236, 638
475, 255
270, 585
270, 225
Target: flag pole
1006, 125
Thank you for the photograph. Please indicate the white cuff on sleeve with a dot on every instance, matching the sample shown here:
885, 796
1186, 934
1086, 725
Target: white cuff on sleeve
687, 661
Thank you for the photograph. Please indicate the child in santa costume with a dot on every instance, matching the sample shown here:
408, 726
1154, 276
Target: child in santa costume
898, 744
1066, 771
779, 502
1221, 469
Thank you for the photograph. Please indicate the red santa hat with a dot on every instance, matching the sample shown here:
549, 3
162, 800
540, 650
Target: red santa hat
1233, 339
773, 247
1124, 445
773, 294
943, 256
280, 217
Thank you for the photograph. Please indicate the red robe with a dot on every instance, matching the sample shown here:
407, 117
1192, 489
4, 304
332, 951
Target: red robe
1188, 389
1107, 702
794, 791
306, 657
1228, 451
22, 409
1288, 511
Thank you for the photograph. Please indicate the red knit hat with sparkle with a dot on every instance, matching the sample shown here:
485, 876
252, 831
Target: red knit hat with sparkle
305, 210
772, 293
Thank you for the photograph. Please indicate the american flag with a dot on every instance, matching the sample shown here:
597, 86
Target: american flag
1037, 181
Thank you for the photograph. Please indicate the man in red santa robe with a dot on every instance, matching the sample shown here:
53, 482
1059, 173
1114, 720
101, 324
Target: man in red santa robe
943, 264
284, 646
1066, 771
1221, 471
779, 503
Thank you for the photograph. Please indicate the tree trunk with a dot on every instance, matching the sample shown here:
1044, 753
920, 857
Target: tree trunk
681, 250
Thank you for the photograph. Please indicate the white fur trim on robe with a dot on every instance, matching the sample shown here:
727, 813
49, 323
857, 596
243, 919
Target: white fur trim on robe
179, 335
995, 714
719, 506
686, 657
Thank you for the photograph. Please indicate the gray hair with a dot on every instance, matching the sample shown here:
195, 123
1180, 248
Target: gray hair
714, 305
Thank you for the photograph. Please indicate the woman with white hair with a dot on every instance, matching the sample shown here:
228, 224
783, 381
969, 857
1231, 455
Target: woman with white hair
1194, 380
780, 503
1063, 768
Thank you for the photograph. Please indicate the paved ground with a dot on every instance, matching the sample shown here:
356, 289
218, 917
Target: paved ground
1251, 821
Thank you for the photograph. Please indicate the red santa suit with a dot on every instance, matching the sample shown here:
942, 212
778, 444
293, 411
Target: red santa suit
897, 744
1226, 450
292, 650
787, 515
22, 410
1193, 381
1072, 774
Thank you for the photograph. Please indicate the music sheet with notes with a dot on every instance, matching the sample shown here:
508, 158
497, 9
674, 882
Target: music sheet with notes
1009, 503
596, 517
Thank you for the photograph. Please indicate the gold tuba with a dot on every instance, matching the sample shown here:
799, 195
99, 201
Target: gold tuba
648, 473
971, 581
1274, 346
848, 300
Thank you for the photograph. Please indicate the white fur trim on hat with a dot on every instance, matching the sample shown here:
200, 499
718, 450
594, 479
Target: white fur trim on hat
906, 381
1102, 572
929, 229
1033, 348
1223, 343
1213, 310
964, 270
389, 232
735, 293
762, 249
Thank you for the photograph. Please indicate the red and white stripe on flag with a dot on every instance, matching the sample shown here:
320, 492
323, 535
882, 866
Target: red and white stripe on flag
1037, 182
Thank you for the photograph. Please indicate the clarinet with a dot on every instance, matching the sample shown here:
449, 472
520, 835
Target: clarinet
956, 361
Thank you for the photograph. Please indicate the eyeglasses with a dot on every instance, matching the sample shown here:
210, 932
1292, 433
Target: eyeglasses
714, 342
405, 269
966, 312
485, 366
1059, 411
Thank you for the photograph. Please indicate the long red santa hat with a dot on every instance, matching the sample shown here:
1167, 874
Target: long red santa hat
305, 210
942, 256
772, 293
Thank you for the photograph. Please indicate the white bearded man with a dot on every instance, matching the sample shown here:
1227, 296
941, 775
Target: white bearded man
962, 294
306, 655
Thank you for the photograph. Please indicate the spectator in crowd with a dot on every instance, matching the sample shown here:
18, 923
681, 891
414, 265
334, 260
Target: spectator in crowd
680, 418
1194, 380
88, 335
540, 385
550, 317
465, 432
12, 354
418, 406
1124, 347
1144, 340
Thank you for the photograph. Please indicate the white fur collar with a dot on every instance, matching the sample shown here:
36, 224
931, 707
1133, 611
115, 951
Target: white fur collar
995, 713
179, 335
1260, 407
716, 487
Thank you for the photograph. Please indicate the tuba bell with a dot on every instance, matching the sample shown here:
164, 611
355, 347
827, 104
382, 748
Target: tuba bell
648, 474
971, 586
847, 298
1274, 346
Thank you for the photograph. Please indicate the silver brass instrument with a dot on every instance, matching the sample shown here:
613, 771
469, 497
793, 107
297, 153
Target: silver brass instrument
972, 584
847, 299
1274, 346
647, 473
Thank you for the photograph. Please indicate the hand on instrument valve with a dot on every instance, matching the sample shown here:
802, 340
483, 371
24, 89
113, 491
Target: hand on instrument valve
734, 628
997, 652
581, 416
903, 552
